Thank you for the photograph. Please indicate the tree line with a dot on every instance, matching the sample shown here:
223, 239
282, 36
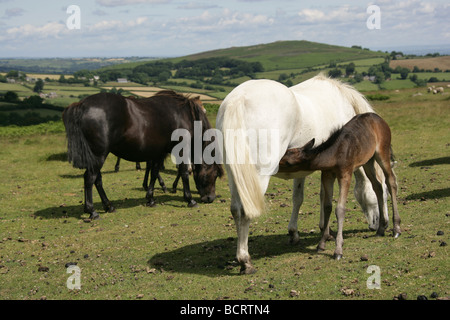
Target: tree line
208, 70
31, 117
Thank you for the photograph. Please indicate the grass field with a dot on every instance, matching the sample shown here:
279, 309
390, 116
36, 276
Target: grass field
174, 252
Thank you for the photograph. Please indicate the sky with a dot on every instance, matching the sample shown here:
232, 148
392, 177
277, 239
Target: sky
170, 28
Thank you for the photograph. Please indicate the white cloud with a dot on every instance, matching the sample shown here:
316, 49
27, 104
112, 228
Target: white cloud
197, 5
342, 14
225, 20
187, 26
58, 30
312, 15
116, 3
49, 30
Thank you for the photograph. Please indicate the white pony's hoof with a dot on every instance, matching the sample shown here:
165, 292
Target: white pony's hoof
337, 257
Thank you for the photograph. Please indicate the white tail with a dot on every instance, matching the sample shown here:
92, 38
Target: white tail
239, 160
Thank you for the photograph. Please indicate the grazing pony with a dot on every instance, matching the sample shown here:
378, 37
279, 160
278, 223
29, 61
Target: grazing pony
364, 140
138, 130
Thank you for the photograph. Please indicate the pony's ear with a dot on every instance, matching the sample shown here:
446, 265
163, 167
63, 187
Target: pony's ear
310, 144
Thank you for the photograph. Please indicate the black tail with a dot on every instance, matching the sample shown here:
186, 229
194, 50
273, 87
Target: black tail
78, 151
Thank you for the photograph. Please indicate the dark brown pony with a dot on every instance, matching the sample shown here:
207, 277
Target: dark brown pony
363, 140
137, 130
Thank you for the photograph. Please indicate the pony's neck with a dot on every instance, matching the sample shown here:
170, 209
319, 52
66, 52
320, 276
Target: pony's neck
322, 160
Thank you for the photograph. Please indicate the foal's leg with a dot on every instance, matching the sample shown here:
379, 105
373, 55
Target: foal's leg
344, 180
297, 199
369, 169
392, 186
382, 179
327, 203
391, 182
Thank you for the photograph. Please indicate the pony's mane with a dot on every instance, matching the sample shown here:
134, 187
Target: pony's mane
197, 115
186, 100
356, 99
171, 93
326, 144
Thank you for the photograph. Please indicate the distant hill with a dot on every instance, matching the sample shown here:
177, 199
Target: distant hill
63, 65
284, 55
280, 55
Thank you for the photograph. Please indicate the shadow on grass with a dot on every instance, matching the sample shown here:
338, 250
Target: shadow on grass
77, 211
57, 157
431, 162
81, 174
427, 195
217, 257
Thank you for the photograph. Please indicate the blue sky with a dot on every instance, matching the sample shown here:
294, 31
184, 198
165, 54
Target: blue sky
176, 27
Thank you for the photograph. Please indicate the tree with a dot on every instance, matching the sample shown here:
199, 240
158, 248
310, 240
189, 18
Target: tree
164, 76
404, 73
335, 73
379, 77
358, 77
11, 96
283, 77
350, 68
12, 74
33, 101
39, 86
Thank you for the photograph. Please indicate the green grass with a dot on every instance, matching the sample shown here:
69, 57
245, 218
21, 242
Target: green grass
398, 84
366, 86
175, 252
21, 90
441, 76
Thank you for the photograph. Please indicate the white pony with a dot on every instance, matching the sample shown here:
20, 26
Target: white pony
293, 116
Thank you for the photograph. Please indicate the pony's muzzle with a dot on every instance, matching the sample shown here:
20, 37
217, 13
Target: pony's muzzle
208, 198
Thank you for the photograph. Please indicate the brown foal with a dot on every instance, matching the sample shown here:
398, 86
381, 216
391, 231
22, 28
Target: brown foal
363, 140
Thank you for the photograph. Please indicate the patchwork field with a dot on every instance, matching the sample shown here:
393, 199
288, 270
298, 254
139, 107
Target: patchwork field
442, 63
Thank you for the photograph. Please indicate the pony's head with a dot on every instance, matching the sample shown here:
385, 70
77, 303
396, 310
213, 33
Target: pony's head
294, 159
205, 177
